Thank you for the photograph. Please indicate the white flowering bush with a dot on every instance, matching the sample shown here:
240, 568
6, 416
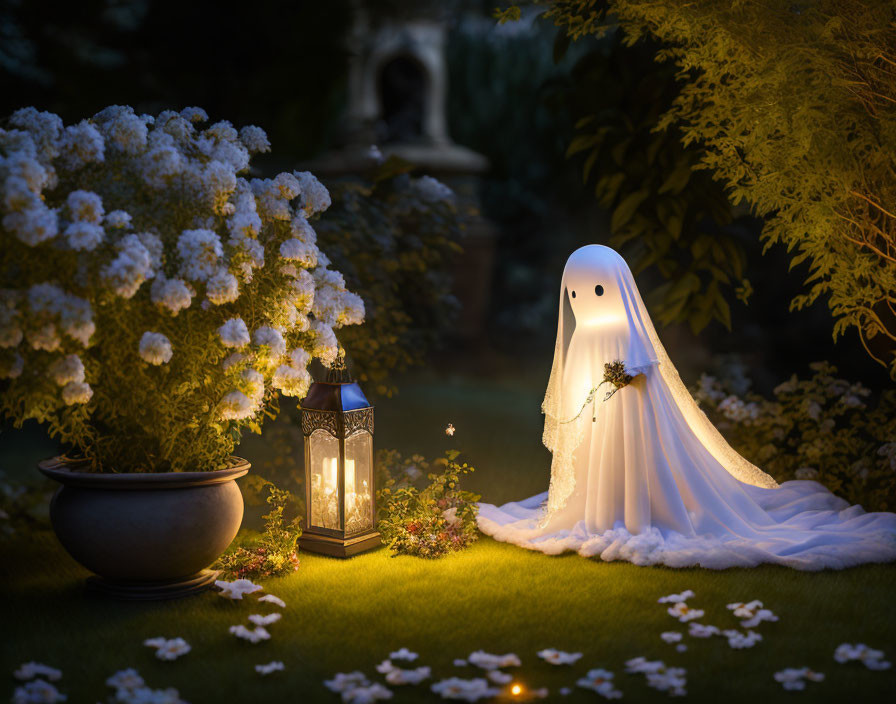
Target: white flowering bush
823, 428
155, 299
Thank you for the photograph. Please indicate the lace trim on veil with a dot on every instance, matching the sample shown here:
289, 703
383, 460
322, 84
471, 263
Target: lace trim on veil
562, 439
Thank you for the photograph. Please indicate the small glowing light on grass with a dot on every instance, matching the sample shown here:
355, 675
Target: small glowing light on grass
516, 690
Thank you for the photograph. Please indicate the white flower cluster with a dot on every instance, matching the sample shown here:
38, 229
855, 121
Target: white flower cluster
432, 190
155, 348
97, 195
734, 408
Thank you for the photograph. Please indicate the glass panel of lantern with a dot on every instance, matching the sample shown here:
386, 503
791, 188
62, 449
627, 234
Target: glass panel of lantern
358, 489
324, 464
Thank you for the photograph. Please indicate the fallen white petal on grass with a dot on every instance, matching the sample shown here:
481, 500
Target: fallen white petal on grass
345, 681
499, 677
488, 661
30, 670
643, 666
676, 598
745, 609
255, 635
237, 588
672, 680
752, 612
698, 630
601, 682
366, 694
466, 690
681, 648
683, 612
271, 599
565, 691
739, 641
794, 678
37, 691
671, 636
460, 662
403, 654
125, 679
168, 648
266, 620
269, 668
871, 658
172, 649
558, 657
397, 676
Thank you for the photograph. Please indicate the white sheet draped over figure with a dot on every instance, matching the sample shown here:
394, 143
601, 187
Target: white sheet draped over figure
644, 476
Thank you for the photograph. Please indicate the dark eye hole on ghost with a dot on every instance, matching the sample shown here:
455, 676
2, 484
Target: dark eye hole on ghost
573, 294
599, 290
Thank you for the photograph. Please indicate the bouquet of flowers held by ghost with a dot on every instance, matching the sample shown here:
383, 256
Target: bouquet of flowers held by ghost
154, 299
616, 376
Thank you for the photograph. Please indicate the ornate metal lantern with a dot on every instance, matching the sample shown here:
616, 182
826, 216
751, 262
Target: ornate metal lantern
337, 422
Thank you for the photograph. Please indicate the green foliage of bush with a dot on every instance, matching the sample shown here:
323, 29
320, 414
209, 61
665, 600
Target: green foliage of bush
665, 214
822, 428
395, 238
430, 522
792, 108
272, 552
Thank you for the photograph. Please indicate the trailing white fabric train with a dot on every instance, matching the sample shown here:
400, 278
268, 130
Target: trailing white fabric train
644, 476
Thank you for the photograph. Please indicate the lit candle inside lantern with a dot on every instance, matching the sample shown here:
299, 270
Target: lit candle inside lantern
330, 467
349, 477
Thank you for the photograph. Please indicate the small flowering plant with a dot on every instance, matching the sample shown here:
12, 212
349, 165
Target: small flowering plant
154, 299
274, 551
428, 522
822, 428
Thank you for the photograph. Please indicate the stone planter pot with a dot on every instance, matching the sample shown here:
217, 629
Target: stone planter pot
146, 536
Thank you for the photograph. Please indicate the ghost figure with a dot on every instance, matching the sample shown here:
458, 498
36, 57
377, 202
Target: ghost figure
643, 475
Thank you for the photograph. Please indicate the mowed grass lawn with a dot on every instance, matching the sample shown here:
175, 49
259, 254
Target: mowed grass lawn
348, 615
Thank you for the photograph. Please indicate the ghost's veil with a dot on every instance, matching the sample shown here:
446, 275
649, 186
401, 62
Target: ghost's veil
562, 436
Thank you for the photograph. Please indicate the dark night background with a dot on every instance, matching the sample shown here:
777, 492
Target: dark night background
283, 66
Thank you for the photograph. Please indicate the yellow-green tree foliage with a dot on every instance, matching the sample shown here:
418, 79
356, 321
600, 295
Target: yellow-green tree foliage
793, 107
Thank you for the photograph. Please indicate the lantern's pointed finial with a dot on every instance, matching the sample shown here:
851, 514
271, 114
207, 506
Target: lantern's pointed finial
338, 373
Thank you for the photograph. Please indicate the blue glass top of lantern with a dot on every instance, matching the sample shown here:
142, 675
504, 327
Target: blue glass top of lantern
329, 396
